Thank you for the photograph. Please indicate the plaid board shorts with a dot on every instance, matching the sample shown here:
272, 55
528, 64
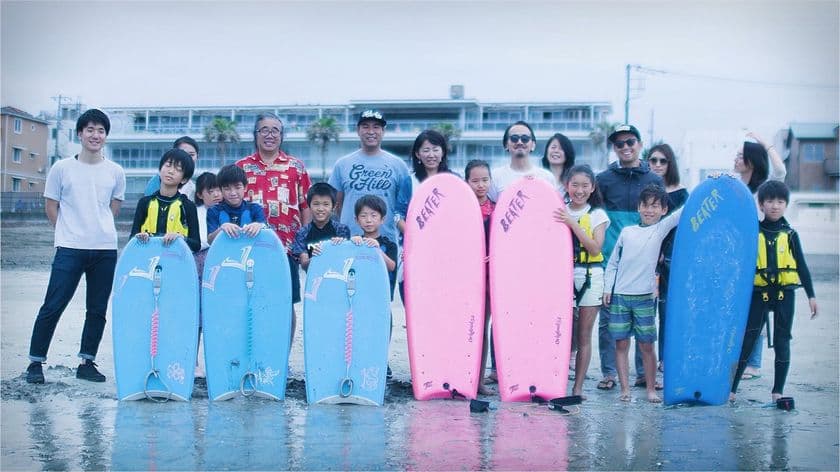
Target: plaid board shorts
633, 314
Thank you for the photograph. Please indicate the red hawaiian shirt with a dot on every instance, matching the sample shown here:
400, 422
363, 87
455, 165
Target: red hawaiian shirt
280, 187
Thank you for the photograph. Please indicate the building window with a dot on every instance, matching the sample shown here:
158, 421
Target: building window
15, 185
32, 156
813, 152
31, 186
16, 155
32, 127
18, 125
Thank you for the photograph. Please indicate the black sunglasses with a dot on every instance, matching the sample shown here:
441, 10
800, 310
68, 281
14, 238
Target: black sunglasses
658, 161
629, 141
515, 138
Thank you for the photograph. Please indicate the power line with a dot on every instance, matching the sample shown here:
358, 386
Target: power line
651, 71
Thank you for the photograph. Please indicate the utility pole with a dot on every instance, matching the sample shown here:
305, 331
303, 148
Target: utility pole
627, 94
60, 99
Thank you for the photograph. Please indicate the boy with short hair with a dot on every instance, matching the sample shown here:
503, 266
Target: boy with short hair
370, 214
167, 212
629, 285
780, 269
234, 215
83, 196
307, 243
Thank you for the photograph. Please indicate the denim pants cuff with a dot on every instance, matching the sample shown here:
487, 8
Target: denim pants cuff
87, 357
37, 359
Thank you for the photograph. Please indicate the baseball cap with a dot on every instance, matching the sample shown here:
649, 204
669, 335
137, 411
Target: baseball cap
371, 115
624, 129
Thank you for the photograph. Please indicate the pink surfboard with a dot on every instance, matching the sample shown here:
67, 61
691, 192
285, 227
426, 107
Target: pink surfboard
445, 288
531, 292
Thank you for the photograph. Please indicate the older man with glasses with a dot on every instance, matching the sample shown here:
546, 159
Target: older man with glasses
620, 186
519, 141
279, 182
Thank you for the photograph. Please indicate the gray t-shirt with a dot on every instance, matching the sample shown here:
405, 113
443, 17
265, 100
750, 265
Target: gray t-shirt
384, 175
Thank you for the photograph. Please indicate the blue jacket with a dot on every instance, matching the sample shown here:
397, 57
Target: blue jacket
620, 187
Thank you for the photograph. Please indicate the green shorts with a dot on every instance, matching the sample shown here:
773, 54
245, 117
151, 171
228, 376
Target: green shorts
633, 314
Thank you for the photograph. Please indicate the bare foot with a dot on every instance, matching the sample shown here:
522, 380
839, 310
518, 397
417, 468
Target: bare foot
625, 396
579, 393
731, 397
482, 390
776, 397
653, 397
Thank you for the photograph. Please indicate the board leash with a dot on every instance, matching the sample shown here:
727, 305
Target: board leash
345, 389
153, 348
249, 376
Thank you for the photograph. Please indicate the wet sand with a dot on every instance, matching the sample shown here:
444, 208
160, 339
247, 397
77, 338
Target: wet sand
73, 424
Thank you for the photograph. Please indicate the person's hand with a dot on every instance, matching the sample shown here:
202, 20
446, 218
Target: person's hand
561, 215
812, 302
337, 240
357, 240
169, 237
252, 229
370, 242
231, 230
316, 249
142, 237
607, 298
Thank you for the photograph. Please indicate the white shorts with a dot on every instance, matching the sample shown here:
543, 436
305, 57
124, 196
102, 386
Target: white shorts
594, 295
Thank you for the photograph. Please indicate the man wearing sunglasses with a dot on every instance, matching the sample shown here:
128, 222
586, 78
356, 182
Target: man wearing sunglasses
620, 186
519, 141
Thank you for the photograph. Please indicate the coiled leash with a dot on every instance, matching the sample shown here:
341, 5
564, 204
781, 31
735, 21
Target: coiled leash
453, 393
250, 376
345, 389
154, 341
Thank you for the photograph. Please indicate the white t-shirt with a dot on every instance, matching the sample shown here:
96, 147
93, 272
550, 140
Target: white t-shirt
84, 193
201, 211
504, 176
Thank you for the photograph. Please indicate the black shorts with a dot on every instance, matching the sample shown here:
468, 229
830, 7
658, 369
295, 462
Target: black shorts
294, 270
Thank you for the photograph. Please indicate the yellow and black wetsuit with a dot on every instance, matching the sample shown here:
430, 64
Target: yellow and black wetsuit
159, 215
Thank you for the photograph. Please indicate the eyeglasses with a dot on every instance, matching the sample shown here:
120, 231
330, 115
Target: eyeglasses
629, 141
265, 131
515, 138
656, 161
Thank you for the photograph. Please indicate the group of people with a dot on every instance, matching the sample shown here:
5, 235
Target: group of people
622, 220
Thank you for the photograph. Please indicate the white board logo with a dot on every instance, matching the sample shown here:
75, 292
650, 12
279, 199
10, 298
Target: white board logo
242, 262
147, 274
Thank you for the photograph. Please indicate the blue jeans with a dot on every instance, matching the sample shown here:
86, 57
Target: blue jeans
606, 347
68, 265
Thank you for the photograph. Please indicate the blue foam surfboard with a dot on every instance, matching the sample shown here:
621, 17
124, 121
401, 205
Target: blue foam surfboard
138, 319
246, 311
709, 291
346, 325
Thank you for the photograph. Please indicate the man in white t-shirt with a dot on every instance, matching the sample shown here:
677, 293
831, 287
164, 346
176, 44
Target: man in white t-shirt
519, 141
83, 196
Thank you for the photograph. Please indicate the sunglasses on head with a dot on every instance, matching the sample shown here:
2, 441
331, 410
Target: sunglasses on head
658, 161
515, 138
629, 141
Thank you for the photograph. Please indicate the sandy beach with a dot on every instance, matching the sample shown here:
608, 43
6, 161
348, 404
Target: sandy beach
73, 424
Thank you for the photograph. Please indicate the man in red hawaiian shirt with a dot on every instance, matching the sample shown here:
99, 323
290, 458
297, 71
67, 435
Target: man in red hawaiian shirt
279, 182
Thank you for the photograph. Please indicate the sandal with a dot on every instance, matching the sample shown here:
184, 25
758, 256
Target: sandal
606, 384
643, 384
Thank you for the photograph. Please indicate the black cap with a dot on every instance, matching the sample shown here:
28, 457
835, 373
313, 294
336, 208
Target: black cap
624, 129
371, 115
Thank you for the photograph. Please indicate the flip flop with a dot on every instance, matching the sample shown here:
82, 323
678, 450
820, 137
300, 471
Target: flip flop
643, 384
606, 384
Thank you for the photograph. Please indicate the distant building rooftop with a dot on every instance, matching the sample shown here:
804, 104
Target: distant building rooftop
21, 114
814, 130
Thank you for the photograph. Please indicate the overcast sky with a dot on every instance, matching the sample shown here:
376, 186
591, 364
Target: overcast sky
259, 53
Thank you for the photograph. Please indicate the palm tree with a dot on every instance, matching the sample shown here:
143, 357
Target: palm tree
221, 131
598, 136
449, 131
321, 132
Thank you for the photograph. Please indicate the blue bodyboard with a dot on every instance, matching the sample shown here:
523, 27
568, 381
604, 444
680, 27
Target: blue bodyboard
246, 311
709, 291
346, 325
141, 269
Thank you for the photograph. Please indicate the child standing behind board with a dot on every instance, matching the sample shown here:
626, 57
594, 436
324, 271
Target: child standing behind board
630, 281
588, 223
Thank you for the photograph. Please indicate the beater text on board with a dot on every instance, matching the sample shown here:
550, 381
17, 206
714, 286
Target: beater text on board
431, 204
514, 209
709, 206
